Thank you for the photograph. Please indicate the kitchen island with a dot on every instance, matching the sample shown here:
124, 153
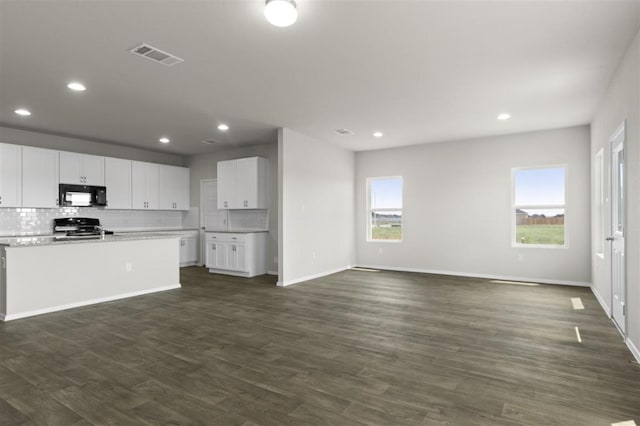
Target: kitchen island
42, 274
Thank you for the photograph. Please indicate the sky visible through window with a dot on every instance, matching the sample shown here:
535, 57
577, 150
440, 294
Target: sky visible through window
386, 193
536, 187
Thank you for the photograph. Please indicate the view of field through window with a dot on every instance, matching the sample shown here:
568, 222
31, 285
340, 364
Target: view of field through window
540, 206
385, 209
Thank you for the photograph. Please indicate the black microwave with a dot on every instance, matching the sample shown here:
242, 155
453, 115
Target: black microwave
82, 195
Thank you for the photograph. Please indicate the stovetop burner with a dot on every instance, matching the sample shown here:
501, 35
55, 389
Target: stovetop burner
78, 227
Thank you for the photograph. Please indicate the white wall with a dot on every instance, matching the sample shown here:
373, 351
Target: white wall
62, 143
316, 197
204, 166
620, 103
457, 207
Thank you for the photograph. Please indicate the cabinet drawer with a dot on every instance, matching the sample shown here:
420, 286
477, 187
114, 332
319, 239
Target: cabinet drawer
226, 237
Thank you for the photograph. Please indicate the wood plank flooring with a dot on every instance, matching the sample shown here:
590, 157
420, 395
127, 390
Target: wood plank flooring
354, 348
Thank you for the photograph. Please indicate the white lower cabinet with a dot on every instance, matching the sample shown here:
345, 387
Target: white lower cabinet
241, 254
189, 243
188, 250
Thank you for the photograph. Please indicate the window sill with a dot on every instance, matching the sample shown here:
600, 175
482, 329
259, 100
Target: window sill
384, 241
540, 246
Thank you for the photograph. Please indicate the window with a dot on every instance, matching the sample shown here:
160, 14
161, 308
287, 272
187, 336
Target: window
384, 212
539, 206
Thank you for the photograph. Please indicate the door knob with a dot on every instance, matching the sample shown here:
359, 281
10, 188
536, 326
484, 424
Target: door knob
609, 238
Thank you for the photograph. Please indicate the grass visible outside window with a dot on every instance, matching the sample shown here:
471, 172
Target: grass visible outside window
539, 206
540, 234
384, 202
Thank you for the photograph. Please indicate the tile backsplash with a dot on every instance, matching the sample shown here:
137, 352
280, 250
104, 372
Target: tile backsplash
30, 221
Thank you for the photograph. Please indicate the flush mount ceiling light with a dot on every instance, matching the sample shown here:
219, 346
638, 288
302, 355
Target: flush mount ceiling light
281, 13
77, 87
164, 140
23, 112
377, 134
504, 116
223, 127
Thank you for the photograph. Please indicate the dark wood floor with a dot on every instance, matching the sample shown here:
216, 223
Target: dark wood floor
354, 348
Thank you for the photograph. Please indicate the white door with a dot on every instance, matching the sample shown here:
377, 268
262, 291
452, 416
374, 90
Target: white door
211, 218
618, 196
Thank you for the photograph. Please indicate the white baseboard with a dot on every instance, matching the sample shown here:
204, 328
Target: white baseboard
272, 272
476, 275
19, 315
600, 300
633, 348
311, 277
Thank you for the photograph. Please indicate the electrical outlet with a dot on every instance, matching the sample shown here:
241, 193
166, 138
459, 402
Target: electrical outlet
313, 255
520, 258
380, 250
128, 267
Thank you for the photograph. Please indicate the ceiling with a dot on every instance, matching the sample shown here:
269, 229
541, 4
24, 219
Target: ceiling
418, 71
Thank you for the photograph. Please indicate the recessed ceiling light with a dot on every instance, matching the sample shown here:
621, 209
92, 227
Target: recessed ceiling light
223, 127
377, 134
504, 116
281, 13
164, 140
23, 112
75, 86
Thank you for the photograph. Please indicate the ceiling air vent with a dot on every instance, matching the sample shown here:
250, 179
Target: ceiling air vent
208, 142
156, 55
344, 132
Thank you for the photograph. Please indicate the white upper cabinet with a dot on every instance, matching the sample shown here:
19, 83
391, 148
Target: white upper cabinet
242, 183
117, 176
10, 175
39, 177
144, 185
174, 188
227, 184
81, 169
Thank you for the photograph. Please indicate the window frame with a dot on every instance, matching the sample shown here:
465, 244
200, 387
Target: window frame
514, 207
369, 210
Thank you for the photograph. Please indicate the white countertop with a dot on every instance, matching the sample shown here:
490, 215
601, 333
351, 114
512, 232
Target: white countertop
239, 231
48, 240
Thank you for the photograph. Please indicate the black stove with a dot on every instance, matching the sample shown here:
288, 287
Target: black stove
68, 228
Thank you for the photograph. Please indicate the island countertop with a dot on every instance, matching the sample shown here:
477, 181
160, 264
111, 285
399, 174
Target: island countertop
48, 240
40, 275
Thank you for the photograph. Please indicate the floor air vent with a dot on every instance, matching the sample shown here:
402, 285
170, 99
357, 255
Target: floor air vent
156, 55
